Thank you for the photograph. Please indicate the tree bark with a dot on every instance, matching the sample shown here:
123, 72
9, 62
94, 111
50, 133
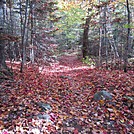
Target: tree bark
23, 38
85, 38
2, 46
2, 56
128, 35
100, 47
32, 34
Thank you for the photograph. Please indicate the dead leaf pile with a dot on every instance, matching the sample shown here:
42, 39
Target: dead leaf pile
60, 99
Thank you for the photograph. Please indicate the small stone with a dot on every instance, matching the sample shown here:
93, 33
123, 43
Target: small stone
65, 77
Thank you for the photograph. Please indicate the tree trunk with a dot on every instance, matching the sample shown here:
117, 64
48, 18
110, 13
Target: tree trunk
23, 54
100, 36
32, 34
100, 47
16, 51
2, 56
85, 38
2, 46
127, 43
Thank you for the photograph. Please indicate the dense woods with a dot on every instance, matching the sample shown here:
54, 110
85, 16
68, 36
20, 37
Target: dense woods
101, 30
66, 66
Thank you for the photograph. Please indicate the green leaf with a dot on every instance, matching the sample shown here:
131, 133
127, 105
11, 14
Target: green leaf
129, 26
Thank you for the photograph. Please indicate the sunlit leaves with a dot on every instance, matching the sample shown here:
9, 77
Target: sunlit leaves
70, 23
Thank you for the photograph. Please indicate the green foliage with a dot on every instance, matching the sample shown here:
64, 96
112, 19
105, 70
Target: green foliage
129, 26
69, 25
88, 61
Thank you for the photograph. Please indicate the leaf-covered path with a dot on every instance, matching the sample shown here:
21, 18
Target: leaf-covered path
64, 98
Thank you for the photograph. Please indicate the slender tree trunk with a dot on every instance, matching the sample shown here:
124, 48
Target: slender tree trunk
32, 34
105, 35
100, 35
4, 11
23, 38
106, 50
128, 35
113, 44
100, 47
11, 16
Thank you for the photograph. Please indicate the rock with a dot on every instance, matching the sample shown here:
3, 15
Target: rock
65, 77
44, 106
45, 117
128, 101
102, 95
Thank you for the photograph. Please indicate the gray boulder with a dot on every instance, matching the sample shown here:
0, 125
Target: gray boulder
44, 106
45, 117
102, 95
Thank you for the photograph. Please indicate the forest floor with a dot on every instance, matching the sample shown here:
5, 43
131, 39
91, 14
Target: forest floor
66, 98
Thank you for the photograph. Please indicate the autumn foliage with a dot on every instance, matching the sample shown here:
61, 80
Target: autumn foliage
67, 88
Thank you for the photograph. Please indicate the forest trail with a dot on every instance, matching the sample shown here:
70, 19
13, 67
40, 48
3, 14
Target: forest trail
59, 99
67, 64
70, 60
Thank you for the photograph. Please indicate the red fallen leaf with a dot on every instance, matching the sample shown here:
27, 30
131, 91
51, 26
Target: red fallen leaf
131, 122
84, 107
5, 132
53, 116
75, 131
104, 132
